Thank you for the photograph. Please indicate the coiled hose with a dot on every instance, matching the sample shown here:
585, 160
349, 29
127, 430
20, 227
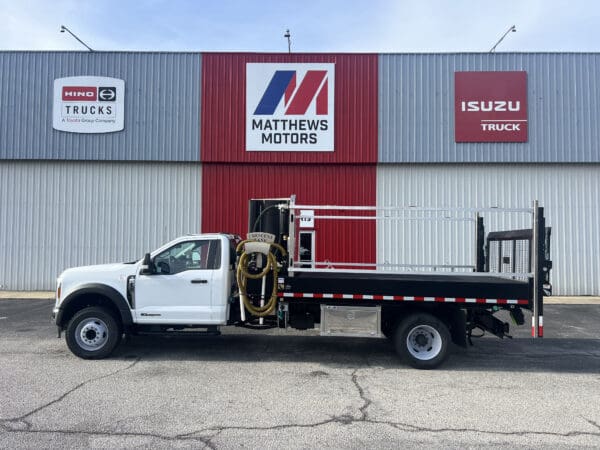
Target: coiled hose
245, 249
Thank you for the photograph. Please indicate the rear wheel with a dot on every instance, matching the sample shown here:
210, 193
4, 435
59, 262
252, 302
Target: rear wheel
93, 333
422, 340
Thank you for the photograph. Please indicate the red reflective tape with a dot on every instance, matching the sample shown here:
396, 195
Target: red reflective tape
399, 298
298, 294
419, 299
480, 300
440, 299
279, 294
357, 296
338, 295
378, 297
501, 301
460, 299
523, 302
318, 295
541, 331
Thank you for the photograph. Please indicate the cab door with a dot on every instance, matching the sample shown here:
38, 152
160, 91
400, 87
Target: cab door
180, 288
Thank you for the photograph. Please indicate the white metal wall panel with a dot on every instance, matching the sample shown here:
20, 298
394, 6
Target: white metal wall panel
570, 195
56, 215
416, 108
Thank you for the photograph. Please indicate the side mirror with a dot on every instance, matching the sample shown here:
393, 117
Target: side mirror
147, 267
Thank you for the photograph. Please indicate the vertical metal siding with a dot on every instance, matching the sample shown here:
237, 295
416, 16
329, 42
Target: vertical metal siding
62, 214
224, 109
227, 189
570, 195
162, 106
416, 108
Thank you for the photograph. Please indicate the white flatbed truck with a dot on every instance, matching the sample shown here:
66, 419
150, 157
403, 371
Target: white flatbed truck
199, 283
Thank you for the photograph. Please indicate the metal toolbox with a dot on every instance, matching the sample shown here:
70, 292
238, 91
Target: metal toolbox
358, 321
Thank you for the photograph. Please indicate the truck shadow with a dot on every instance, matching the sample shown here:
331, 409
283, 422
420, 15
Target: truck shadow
487, 354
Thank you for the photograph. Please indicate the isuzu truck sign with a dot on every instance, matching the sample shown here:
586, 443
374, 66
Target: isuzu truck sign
490, 106
289, 107
88, 104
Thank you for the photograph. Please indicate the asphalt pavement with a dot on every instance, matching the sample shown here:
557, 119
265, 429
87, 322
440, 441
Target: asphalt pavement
292, 390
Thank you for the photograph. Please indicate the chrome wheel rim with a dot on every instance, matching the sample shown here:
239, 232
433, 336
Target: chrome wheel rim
91, 334
424, 342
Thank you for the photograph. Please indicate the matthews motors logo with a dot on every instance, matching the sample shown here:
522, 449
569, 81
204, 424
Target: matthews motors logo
289, 107
88, 104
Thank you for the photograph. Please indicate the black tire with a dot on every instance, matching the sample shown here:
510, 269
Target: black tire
422, 340
93, 333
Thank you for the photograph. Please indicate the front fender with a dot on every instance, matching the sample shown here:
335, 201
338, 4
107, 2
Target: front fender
97, 289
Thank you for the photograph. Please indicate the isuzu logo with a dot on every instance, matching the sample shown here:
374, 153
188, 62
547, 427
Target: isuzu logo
490, 106
290, 107
498, 105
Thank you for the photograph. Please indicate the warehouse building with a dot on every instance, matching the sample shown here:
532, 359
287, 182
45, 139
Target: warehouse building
106, 155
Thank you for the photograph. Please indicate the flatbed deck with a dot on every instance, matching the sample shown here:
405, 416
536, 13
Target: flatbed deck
413, 285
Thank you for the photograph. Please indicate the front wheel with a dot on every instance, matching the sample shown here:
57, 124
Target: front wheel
93, 333
422, 340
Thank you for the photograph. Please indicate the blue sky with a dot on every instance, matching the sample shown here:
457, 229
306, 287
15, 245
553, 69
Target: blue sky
316, 26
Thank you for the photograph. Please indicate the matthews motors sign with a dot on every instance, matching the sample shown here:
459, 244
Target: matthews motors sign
490, 106
88, 104
289, 107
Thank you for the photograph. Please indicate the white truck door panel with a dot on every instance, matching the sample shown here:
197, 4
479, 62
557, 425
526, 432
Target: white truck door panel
182, 289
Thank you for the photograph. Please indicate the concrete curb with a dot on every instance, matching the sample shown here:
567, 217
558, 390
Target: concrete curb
40, 295
24, 295
572, 300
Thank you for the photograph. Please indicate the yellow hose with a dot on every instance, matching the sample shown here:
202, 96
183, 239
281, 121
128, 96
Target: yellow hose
243, 275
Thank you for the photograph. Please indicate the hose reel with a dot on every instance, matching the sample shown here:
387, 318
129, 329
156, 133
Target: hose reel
247, 250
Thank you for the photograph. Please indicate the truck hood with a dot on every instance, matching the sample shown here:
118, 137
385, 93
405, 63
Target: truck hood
103, 270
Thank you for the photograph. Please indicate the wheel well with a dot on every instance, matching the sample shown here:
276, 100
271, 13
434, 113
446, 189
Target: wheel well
85, 300
453, 318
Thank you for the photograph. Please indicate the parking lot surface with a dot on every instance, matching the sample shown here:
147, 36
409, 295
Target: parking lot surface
291, 390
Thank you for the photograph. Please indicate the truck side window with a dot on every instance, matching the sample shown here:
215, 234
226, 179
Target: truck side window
189, 255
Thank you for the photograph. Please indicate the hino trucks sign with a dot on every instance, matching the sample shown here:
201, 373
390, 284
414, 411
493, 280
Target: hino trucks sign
88, 104
490, 106
289, 107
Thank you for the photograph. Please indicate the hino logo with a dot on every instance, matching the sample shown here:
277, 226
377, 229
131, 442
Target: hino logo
80, 93
487, 106
107, 94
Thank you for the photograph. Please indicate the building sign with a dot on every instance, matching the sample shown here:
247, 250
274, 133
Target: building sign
88, 104
490, 106
289, 107
307, 218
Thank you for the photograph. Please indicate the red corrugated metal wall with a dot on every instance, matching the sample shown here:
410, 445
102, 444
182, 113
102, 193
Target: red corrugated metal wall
346, 176
224, 108
226, 189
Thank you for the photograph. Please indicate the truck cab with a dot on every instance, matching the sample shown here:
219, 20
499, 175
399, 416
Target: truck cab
185, 283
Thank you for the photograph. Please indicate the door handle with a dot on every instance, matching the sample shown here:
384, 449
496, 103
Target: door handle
198, 281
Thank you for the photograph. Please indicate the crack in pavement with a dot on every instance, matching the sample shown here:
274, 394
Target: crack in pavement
367, 401
409, 428
591, 422
6, 423
207, 441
